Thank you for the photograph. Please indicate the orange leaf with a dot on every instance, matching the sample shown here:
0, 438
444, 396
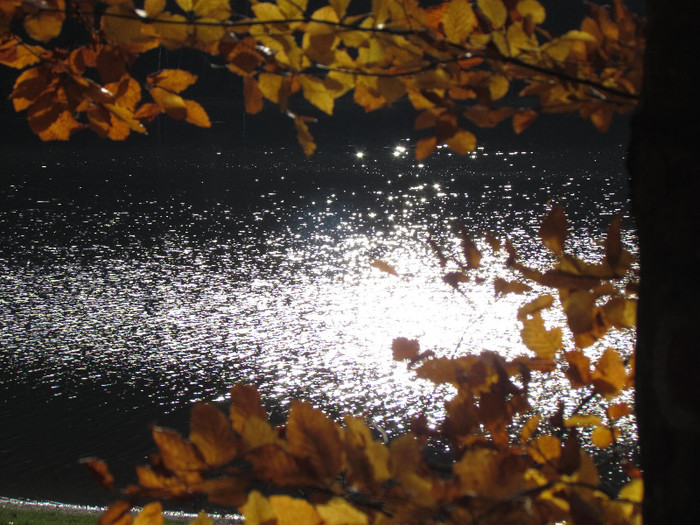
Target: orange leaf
252, 95
292, 511
304, 136
314, 438
619, 410
178, 456
211, 433
196, 114
523, 119
116, 514
173, 105
100, 472
462, 142
425, 147
534, 306
602, 437
545, 448
245, 403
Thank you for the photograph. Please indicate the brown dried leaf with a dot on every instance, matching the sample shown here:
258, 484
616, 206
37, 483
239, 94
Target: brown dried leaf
553, 230
384, 267
404, 349
100, 472
211, 433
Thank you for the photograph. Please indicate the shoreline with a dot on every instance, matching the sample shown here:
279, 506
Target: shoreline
68, 508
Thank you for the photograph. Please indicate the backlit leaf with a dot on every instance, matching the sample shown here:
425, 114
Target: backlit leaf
178, 455
579, 370
462, 142
314, 438
175, 80
172, 104
544, 449
602, 437
252, 95
100, 472
553, 231
258, 510
425, 147
522, 119
211, 433
245, 403
529, 428
494, 10
151, 514
579, 420
116, 513
621, 312
304, 136
339, 512
545, 343
196, 114
619, 410
531, 307
202, 519
531, 8
293, 511
609, 375
458, 20
317, 93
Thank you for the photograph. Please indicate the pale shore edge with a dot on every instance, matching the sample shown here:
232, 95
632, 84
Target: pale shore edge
88, 509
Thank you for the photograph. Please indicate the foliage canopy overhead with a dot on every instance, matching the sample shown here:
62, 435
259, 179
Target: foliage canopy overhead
460, 63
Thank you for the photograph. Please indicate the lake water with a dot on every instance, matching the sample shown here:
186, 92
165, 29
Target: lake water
130, 288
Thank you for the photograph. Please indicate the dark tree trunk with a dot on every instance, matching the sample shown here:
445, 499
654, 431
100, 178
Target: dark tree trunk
664, 165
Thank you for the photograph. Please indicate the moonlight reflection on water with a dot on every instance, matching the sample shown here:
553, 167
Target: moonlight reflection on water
126, 298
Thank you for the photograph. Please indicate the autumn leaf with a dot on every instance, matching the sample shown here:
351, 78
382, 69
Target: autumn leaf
494, 10
553, 231
458, 20
384, 267
404, 349
100, 472
503, 287
578, 372
544, 449
211, 433
151, 514
174, 80
534, 306
609, 375
545, 343
602, 437
304, 136
178, 455
339, 512
202, 519
258, 510
316, 439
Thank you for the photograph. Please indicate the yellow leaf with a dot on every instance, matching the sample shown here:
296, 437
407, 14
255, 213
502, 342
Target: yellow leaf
292, 8
633, 491
529, 428
270, 85
266, 11
293, 511
123, 28
587, 420
494, 10
368, 460
211, 433
478, 471
545, 343
580, 36
46, 25
462, 142
175, 80
340, 6
151, 514
553, 230
173, 105
545, 448
196, 114
609, 375
185, 5
533, 9
531, 307
317, 94
384, 267
602, 437
621, 312
339, 512
304, 136
314, 438
258, 510
202, 519
172, 29
498, 86
153, 8
458, 21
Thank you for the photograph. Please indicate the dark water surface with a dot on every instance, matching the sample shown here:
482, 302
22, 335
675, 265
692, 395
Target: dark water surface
131, 287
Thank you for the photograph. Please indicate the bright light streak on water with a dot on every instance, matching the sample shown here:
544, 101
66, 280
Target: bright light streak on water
149, 301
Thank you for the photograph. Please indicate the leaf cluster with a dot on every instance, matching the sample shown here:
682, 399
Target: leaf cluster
504, 462
460, 63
